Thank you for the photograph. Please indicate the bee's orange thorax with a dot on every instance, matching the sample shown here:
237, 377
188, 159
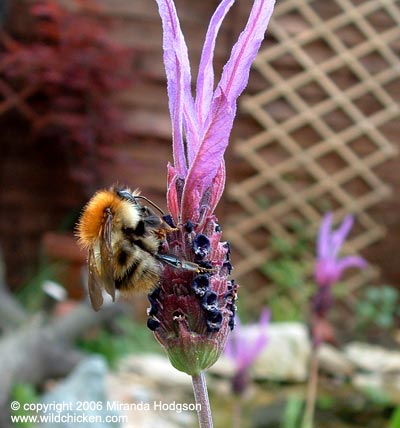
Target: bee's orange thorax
92, 220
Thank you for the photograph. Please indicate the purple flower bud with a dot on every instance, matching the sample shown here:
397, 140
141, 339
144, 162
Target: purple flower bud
201, 284
152, 324
189, 226
153, 308
201, 246
168, 219
214, 323
209, 301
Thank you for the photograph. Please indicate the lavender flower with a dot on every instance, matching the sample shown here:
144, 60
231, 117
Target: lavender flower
329, 267
328, 270
192, 312
243, 348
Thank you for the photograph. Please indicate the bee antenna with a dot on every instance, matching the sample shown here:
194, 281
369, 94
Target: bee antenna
150, 202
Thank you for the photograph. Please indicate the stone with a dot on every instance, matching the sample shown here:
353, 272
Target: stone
285, 357
383, 385
80, 395
156, 392
157, 368
332, 361
373, 358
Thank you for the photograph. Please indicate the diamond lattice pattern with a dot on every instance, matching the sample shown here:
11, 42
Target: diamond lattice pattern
328, 67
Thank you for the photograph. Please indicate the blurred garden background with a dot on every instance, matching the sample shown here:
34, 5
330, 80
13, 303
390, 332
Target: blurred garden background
83, 104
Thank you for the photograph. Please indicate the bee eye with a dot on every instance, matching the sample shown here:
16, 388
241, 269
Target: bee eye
152, 221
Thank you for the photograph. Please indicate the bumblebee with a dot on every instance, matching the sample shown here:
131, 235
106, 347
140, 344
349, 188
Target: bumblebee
123, 238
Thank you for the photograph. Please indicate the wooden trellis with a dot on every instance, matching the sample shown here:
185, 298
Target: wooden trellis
329, 69
11, 98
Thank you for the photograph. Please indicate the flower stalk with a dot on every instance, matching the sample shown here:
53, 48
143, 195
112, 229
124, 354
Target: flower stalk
202, 401
312, 387
328, 270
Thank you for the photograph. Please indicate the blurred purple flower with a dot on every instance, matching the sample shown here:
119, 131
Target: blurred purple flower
329, 267
244, 346
192, 312
328, 270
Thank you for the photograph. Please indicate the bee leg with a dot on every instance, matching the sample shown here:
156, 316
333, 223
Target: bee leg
181, 264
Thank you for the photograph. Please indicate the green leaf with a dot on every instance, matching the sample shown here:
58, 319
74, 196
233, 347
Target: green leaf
23, 393
292, 412
395, 419
285, 272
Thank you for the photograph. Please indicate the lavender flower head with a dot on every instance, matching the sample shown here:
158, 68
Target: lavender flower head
192, 312
243, 348
329, 267
328, 270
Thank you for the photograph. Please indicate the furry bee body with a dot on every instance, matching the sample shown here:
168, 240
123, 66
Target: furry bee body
122, 237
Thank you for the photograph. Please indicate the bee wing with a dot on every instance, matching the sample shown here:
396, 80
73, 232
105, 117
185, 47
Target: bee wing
94, 284
107, 257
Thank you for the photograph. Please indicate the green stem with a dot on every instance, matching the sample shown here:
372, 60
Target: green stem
237, 412
308, 420
203, 404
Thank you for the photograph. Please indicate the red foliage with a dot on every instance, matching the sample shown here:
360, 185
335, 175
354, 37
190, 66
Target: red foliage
66, 75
